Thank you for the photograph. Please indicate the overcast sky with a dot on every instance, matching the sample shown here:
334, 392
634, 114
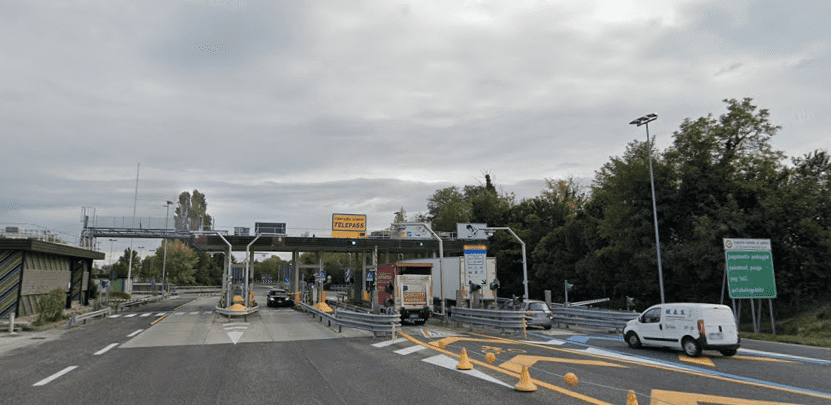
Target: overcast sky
292, 111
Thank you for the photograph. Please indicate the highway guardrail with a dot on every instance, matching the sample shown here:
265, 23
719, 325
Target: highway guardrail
141, 301
76, 319
505, 320
377, 324
593, 317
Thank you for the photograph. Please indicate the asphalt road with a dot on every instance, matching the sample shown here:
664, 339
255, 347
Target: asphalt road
192, 356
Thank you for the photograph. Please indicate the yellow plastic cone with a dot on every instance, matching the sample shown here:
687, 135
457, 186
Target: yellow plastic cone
490, 358
464, 361
631, 398
525, 383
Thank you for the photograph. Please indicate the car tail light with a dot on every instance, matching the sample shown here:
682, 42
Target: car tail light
701, 329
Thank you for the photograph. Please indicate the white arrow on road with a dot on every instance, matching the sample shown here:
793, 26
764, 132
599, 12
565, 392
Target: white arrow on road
235, 331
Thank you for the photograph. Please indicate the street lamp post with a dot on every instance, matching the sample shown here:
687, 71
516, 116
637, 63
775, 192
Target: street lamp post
112, 260
524, 262
164, 260
139, 270
645, 120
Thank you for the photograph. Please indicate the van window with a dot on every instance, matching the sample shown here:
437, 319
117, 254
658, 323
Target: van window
652, 316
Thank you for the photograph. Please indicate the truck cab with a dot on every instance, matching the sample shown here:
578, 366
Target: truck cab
406, 288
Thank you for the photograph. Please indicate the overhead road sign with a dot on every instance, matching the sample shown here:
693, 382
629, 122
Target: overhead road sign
348, 226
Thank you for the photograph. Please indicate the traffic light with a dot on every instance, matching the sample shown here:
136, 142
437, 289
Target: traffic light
494, 284
389, 288
474, 287
569, 287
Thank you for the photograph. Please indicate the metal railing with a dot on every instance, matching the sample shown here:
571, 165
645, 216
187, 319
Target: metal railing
75, 319
377, 324
141, 301
592, 317
505, 320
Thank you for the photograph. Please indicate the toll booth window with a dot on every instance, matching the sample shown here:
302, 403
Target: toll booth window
652, 316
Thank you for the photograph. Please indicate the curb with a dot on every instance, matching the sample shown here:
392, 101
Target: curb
165, 315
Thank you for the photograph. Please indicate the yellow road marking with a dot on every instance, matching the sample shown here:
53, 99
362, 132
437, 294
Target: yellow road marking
660, 397
453, 339
702, 361
510, 373
515, 364
659, 367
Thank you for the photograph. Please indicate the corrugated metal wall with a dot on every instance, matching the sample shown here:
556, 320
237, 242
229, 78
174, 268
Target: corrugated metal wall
11, 268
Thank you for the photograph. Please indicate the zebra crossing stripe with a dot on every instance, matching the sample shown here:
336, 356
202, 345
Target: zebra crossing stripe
114, 316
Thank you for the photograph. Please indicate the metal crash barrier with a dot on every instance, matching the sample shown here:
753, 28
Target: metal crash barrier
504, 320
76, 319
592, 317
377, 324
141, 301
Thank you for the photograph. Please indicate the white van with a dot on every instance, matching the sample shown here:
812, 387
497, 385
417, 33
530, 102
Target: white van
689, 327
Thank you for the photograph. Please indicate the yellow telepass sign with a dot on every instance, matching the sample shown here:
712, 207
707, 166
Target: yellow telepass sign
348, 226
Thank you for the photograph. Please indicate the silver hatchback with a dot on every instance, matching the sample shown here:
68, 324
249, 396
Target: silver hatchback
540, 314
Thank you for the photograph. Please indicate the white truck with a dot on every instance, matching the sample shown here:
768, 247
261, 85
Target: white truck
407, 289
459, 274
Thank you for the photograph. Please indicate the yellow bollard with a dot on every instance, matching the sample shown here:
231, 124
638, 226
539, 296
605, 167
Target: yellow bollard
525, 383
490, 358
464, 361
323, 296
631, 398
570, 379
296, 298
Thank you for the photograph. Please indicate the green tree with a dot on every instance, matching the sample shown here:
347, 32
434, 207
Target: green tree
446, 208
180, 265
192, 212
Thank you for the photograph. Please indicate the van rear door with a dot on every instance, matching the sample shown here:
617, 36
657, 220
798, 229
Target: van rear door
720, 326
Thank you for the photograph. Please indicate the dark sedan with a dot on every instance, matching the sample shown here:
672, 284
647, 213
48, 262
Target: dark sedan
278, 297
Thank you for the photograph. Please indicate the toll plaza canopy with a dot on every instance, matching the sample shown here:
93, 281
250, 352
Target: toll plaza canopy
281, 243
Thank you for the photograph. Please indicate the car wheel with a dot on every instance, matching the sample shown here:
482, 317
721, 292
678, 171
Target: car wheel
728, 352
691, 347
633, 340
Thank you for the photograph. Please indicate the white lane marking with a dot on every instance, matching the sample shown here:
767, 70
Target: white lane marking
160, 314
235, 327
104, 350
620, 356
450, 363
208, 312
550, 342
195, 313
147, 314
389, 342
135, 333
411, 349
130, 316
51, 378
180, 313
782, 356
114, 316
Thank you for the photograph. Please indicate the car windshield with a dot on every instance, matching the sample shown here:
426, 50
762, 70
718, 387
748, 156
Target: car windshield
275, 292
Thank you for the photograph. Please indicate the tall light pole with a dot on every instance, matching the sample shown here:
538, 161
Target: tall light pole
645, 120
141, 250
112, 260
524, 262
164, 260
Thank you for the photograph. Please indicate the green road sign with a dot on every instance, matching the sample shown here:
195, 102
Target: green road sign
749, 268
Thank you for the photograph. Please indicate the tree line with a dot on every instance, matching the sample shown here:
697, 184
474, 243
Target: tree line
720, 178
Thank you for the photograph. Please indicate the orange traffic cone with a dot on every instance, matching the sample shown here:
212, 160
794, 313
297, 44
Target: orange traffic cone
631, 398
464, 361
525, 383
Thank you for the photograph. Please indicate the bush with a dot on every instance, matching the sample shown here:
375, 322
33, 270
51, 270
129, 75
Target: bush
93, 290
119, 295
50, 306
